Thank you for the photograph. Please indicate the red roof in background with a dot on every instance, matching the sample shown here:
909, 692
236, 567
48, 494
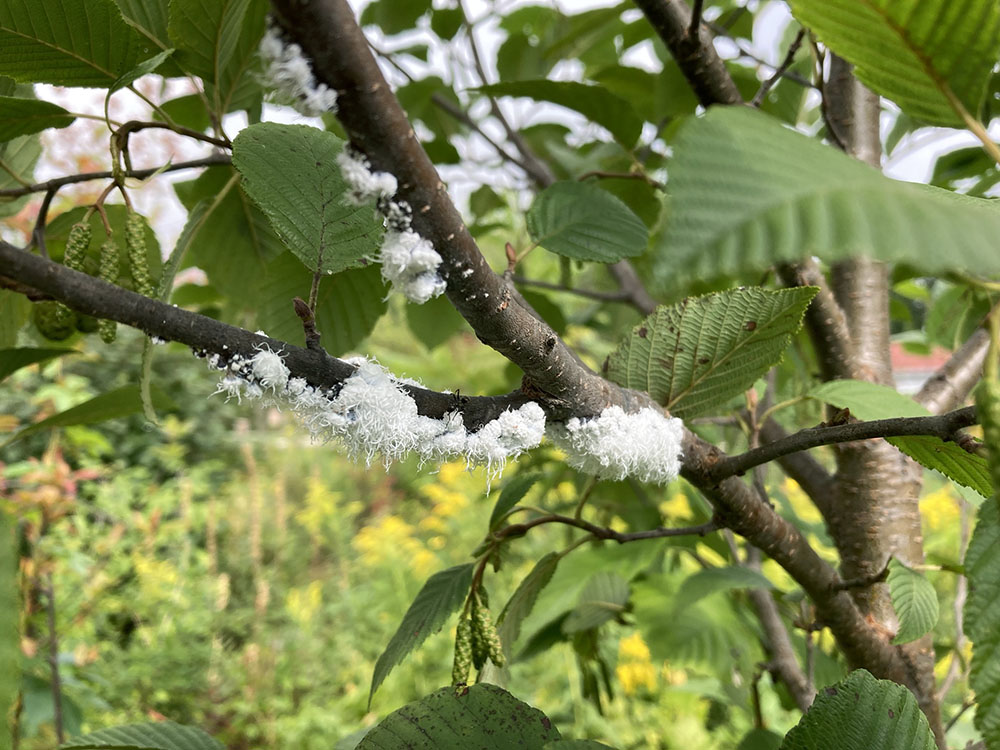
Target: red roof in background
905, 361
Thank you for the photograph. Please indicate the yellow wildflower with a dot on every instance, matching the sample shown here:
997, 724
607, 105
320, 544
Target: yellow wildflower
940, 508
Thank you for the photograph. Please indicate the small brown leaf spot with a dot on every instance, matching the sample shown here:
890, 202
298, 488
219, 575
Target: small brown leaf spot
642, 332
750, 325
703, 360
319, 164
546, 722
604, 367
830, 690
892, 714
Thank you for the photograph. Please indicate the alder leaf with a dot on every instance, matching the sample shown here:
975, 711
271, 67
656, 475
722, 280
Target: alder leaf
163, 735
12, 360
596, 103
982, 619
582, 221
24, 116
67, 42
481, 716
868, 401
925, 55
522, 601
602, 599
290, 171
442, 594
862, 712
771, 207
915, 602
694, 356
511, 494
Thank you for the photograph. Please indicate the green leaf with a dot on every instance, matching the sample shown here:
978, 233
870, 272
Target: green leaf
142, 69
481, 716
149, 18
66, 42
434, 322
522, 601
164, 735
24, 116
582, 221
291, 173
513, 492
18, 159
915, 602
760, 739
15, 359
445, 22
712, 580
443, 594
602, 599
694, 356
237, 85
10, 638
348, 305
115, 404
205, 34
188, 111
15, 309
769, 207
232, 242
967, 469
595, 103
862, 712
982, 619
869, 401
922, 54
394, 16
576, 745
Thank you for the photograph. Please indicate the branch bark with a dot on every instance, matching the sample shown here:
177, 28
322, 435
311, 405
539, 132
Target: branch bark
695, 55
377, 126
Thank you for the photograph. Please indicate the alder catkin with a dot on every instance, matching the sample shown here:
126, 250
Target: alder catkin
463, 651
135, 247
485, 638
108, 271
57, 319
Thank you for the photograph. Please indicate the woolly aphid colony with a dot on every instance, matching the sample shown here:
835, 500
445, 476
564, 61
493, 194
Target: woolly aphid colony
372, 414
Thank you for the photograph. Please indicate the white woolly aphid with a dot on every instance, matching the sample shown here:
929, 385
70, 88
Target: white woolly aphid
290, 73
645, 445
364, 184
410, 263
372, 414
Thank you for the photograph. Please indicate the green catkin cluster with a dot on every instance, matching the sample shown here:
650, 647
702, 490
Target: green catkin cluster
56, 321
135, 246
988, 408
53, 320
485, 638
108, 271
463, 651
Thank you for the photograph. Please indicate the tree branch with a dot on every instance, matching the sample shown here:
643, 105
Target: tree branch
807, 472
329, 36
601, 532
944, 426
54, 184
953, 381
695, 54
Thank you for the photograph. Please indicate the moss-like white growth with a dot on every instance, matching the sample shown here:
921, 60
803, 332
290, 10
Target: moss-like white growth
645, 445
365, 184
290, 74
372, 414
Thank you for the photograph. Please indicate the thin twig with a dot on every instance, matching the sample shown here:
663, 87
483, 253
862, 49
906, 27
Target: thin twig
767, 85
134, 126
695, 25
601, 174
305, 313
38, 232
209, 161
600, 532
944, 426
588, 293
